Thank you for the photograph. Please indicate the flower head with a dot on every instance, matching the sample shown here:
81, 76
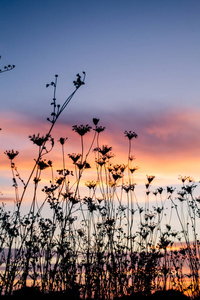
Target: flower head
132, 170
91, 184
183, 178
81, 130
116, 175
60, 180
150, 178
38, 140
42, 164
170, 189
11, 154
75, 157
160, 190
103, 150
50, 163
95, 121
190, 179
128, 187
122, 167
130, 134
81, 165
101, 161
78, 82
189, 188
62, 140
99, 129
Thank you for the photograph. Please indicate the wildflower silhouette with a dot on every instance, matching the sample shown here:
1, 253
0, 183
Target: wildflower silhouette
11, 154
95, 121
75, 157
130, 134
62, 140
99, 129
82, 129
88, 235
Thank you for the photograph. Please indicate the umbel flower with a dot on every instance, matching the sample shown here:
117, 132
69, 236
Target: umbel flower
189, 188
150, 178
129, 187
132, 170
116, 175
81, 165
11, 154
101, 161
74, 157
183, 178
91, 184
42, 164
38, 140
81, 130
99, 129
170, 189
103, 150
130, 134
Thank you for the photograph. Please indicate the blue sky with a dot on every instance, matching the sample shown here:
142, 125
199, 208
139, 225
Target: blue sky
142, 64
134, 52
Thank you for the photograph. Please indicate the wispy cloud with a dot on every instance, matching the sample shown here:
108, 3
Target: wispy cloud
168, 141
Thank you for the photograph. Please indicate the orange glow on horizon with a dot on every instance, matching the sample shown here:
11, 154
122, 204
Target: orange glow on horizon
154, 151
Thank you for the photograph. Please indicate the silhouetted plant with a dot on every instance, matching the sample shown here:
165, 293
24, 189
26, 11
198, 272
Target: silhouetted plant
106, 242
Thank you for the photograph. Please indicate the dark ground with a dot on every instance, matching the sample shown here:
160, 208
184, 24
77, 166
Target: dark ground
32, 293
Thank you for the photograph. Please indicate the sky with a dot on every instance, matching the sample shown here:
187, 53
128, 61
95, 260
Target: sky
141, 60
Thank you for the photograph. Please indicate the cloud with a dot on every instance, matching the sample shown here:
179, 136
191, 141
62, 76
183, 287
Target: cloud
172, 133
168, 140
161, 132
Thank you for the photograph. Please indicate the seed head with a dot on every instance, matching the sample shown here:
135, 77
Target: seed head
11, 154
130, 134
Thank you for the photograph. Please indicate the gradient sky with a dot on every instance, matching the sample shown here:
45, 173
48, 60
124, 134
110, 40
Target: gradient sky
142, 63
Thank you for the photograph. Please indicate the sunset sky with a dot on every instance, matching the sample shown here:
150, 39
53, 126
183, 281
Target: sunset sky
141, 58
